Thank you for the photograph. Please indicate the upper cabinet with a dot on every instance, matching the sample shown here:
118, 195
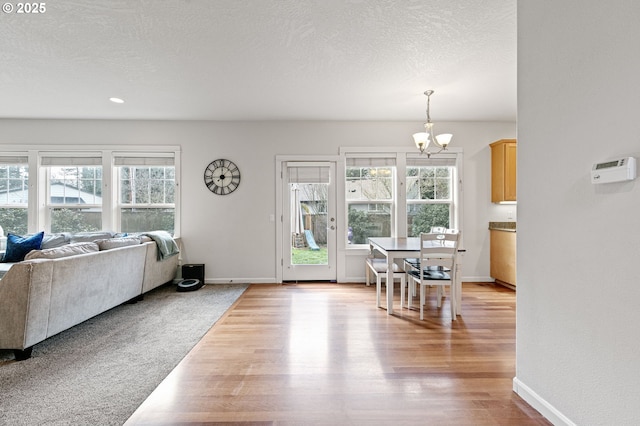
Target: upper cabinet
503, 171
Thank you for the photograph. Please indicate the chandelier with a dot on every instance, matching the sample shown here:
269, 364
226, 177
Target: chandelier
423, 139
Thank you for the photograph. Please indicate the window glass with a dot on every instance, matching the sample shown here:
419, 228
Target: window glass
75, 198
147, 198
14, 198
369, 195
422, 217
429, 198
309, 205
368, 220
147, 219
429, 183
75, 219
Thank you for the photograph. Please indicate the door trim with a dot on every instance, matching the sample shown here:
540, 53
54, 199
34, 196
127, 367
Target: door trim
281, 161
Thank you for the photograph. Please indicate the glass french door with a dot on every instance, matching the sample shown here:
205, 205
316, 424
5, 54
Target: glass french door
309, 222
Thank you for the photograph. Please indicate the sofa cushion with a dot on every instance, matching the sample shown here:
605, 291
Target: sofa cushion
18, 247
63, 251
111, 243
82, 237
56, 240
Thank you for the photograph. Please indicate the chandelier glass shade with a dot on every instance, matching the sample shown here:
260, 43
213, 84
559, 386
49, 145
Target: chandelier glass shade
424, 139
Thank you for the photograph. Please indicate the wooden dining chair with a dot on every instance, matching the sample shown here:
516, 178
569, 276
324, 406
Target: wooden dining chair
438, 267
413, 263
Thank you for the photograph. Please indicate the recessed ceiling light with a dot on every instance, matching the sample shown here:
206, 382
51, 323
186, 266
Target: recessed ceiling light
116, 100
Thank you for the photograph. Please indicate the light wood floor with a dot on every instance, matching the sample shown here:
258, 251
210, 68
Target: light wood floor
323, 354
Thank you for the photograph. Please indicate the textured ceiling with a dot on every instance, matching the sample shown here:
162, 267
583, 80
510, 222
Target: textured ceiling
261, 60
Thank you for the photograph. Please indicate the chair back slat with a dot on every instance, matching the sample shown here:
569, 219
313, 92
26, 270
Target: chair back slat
438, 249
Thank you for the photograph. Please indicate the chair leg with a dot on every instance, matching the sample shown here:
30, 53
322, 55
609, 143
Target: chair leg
422, 295
367, 274
411, 290
378, 289
458, 296
453, 297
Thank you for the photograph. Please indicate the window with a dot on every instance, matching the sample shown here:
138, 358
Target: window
63, 189
369, 197
400, 194
147, 199
74, 193
428, 198
14, 194
146, 196
430, 193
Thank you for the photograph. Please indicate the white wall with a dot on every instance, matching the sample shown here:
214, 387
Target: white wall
233, 235
578, 321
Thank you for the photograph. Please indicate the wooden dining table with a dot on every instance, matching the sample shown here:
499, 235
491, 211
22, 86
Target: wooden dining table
395, 249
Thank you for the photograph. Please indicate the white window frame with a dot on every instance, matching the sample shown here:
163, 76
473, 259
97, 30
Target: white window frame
8, 159
142, 159
49, 160
443, 160
399, 227
38, 184
377, 160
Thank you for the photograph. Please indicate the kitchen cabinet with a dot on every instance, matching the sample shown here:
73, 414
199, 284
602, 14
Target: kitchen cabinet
502, 254
503, 170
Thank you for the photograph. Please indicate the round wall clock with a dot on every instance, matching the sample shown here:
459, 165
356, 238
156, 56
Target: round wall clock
222, 176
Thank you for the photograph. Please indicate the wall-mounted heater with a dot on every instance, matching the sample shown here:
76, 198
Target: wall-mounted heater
614, 170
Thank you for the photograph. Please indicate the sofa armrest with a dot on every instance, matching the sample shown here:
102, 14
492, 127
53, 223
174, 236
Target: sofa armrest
158, 272
25, 293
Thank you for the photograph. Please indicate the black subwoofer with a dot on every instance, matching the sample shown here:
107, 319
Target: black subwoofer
193, 270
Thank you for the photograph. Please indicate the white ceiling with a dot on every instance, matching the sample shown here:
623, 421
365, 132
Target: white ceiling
261, 60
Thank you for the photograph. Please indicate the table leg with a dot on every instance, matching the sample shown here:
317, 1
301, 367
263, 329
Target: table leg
458, 298
390, 260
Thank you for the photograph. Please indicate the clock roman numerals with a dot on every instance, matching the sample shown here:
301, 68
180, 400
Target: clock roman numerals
222, 177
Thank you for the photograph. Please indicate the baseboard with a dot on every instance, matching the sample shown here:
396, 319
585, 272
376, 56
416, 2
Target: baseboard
360, 279
540, 404
473, 279
240, 280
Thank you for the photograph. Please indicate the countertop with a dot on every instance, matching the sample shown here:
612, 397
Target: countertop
503, 226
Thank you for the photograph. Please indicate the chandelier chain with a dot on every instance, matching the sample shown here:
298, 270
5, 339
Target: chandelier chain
429, 93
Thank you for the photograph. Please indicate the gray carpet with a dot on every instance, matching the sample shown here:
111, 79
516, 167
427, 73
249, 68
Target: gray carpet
100, 371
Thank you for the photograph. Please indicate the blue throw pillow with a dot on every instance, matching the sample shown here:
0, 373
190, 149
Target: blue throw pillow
18, 247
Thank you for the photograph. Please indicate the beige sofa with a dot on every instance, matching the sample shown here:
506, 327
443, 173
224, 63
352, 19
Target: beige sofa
42, 297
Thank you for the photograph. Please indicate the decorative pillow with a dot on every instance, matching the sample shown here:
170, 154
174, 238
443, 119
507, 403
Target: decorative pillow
62, 251
111, 243
18, 247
